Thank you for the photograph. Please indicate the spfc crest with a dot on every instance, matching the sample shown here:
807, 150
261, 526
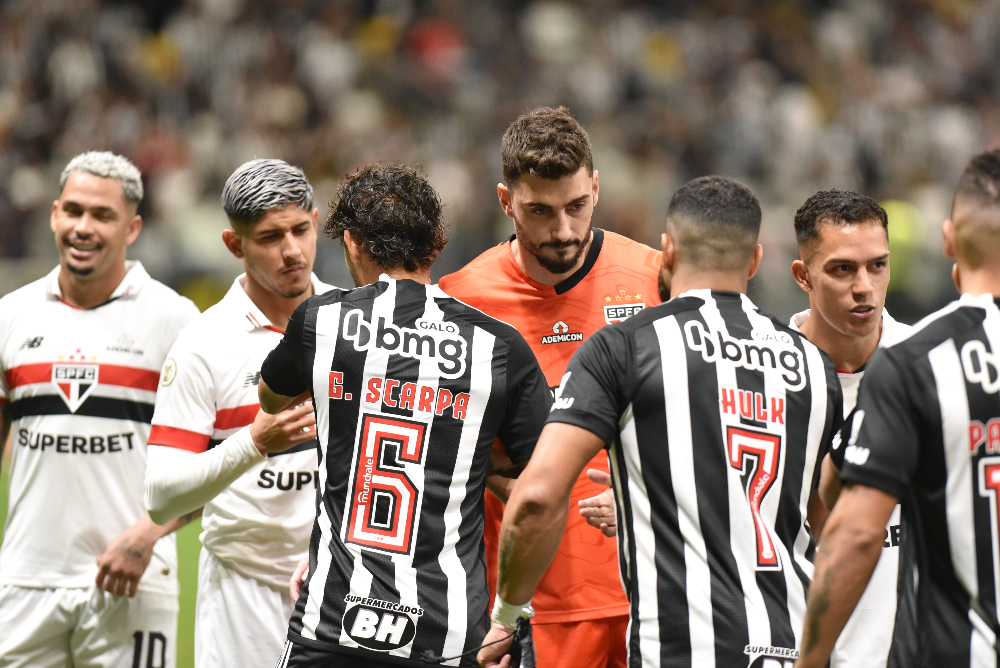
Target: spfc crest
75, 382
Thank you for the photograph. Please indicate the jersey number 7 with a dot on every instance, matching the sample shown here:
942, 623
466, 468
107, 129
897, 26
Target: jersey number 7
756, 455
384, 501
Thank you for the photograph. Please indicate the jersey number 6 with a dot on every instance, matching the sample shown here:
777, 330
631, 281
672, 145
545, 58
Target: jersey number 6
384, 501
755, 455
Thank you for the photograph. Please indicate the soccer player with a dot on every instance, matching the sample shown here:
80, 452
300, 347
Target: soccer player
843, 265
558, 280
411, 388
926, 432
259, 510
716, 418
86, 577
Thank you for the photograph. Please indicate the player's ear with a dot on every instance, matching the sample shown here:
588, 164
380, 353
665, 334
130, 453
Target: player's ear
503, 194
134, 227
758, 255
52, 216
948, 232
233, 241
315, 217
596, 187
801, 275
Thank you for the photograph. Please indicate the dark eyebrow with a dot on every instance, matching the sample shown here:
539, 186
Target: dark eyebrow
96, 209
844, 261
581, 198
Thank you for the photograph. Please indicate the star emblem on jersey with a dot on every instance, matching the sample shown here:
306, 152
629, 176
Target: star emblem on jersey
561, 334
75, 382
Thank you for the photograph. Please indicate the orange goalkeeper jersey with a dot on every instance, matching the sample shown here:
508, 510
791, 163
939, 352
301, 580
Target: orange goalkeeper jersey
618, 278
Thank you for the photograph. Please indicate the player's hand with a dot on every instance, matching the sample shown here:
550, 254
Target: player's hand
599, 511
496, 655
123, 563
285, 429
298, 578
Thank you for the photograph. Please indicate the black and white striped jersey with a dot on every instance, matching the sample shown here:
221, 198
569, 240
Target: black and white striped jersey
926, 430
717, 419
411, 388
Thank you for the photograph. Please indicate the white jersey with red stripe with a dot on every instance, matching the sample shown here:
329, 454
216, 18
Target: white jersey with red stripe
260, 525
80, 386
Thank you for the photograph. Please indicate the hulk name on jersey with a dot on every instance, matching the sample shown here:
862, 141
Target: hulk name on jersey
81, 385
259, 525
411, 389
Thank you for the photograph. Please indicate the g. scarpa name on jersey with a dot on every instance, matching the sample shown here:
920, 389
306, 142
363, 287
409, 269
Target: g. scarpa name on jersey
769, 350
432, 341
70, 444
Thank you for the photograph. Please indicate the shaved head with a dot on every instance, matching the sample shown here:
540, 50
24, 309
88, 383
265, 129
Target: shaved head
975, 211
714, 222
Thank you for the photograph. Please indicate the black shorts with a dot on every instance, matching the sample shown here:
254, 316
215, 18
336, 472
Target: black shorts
296, 655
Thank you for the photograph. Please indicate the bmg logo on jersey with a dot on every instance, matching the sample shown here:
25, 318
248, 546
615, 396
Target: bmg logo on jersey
75, 382
380, 625
433, 341
981, 366
759, 355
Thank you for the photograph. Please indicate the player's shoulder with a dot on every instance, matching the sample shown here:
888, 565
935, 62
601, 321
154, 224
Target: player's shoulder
455, 309
630, 256
30, 293
487, 266
960, 319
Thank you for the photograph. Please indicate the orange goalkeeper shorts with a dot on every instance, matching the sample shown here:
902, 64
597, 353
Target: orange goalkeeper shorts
591, 643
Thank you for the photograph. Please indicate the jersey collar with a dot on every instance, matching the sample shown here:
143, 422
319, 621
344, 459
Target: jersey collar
135, 277
253, 317
892, 329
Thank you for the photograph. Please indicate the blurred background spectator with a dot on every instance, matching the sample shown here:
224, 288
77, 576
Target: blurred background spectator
888, 97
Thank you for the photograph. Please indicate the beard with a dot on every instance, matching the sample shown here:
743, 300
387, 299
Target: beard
664, 288
552, 265
79, 271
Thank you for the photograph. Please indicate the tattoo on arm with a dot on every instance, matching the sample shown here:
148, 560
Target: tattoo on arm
506, 545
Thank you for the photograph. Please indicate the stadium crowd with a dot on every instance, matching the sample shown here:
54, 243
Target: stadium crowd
884, 97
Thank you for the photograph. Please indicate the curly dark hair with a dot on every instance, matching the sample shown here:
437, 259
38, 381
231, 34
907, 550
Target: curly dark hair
837, 207
393, 212
547, 143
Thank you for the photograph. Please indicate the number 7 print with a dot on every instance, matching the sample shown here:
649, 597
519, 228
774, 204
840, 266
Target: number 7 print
756, 456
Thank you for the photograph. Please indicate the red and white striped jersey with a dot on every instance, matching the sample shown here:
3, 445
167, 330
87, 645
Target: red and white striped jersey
259, 525
80, 384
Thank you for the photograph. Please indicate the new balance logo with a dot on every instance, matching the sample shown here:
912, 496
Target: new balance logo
32, 342
252, 379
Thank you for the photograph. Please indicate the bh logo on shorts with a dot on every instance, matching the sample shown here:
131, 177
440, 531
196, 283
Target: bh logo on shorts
75, 382
380, 625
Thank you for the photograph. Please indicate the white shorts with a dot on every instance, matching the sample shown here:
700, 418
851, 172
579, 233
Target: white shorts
865, 640
238, 620
86, 627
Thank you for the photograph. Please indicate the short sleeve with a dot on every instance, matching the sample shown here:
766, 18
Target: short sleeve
528, 401
283, 370
593, 392
185, 400
880, 442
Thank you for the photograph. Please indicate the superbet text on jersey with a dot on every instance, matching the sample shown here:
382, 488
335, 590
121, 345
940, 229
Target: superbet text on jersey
81, 385
617, 280
259, 525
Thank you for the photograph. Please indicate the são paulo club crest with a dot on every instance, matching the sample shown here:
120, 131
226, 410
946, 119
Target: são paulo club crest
75, 382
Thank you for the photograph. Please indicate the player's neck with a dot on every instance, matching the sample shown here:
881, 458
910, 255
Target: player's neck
980, 281
536, 272
684, 280
849, 353
276, 309
88, 291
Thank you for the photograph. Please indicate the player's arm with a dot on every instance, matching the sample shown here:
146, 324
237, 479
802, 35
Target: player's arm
534, 520
502, 473
4, 425
283, 380
845, 559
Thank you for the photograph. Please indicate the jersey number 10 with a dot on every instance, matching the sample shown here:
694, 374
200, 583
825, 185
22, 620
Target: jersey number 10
384, 501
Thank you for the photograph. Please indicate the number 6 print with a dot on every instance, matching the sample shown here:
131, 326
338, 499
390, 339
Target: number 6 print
755, 454
384, 501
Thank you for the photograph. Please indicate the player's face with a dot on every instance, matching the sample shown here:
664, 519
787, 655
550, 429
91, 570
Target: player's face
552, 217
280, 249
93, 225
848, 275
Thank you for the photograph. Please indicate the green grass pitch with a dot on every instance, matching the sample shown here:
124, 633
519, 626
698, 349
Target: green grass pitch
188, 548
